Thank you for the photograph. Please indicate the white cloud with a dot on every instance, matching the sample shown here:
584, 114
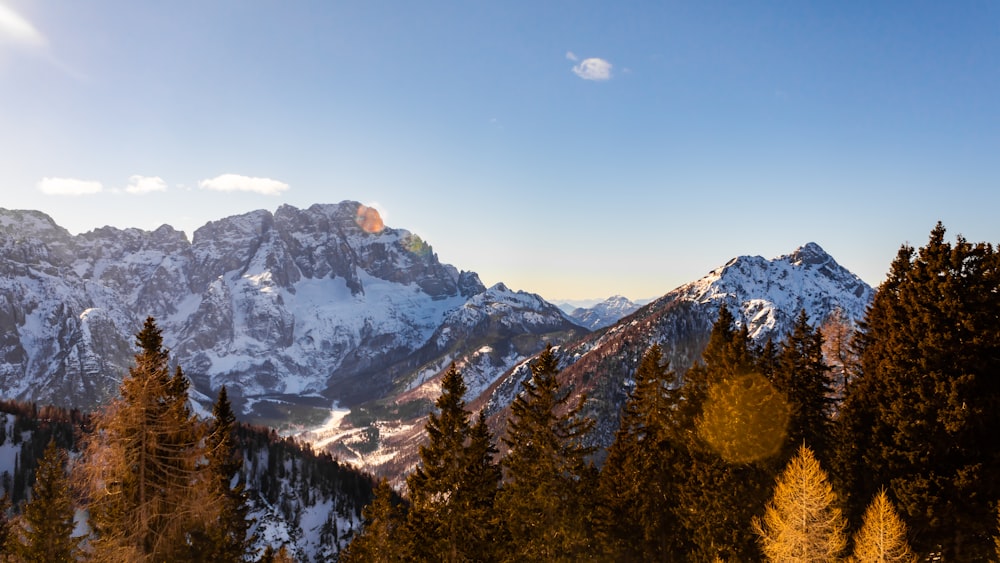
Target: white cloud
237, 183
145, 184
593, 69
69, 186
572, 56
17, 29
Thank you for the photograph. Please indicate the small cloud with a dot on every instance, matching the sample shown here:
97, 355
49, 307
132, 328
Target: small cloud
69, 186
19, 30
593, 69
572, 56
237, 183
145, 184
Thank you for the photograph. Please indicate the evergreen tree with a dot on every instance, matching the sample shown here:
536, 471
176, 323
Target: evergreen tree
802, 523
804, 378
46, 529
920, 418
141, 465
637, 482
476, 498
433, 519
379, 541
279, 555
882, 537
723, 481
228, 538
452, 479
546, 503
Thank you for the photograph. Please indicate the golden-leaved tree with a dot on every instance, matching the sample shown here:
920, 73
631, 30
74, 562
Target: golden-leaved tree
882, 537
143, 465
802, 522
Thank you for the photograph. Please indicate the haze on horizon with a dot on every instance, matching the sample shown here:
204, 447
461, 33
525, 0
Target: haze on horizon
572, 150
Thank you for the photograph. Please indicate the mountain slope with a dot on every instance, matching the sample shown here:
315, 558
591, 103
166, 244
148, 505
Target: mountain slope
294, 311
765, 295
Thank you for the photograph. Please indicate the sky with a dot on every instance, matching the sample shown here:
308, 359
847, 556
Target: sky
572, 149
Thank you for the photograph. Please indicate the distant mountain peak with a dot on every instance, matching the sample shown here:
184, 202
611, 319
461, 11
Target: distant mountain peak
605, 313
810, 254
767, 294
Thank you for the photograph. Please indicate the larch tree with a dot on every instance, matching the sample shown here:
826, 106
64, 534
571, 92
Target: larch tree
547, 499
921, 417
882, 537
45, 533
802, 523
839, 350
142, 464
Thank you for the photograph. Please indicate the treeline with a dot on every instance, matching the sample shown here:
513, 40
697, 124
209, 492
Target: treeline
760, 452
158, 484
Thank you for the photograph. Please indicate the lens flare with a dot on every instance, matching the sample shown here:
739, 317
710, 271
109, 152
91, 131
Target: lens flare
369, 220
744, 419
416, 245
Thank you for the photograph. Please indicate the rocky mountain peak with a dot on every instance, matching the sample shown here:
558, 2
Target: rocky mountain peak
296, 306
810, 254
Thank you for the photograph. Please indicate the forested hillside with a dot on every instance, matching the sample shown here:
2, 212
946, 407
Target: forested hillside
881, 448
144, 480
762, 451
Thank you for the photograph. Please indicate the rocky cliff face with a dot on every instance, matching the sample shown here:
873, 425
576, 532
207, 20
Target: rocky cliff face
294, 309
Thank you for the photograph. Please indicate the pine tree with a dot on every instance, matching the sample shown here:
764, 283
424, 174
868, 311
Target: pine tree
450, 492
723, 480
548, 495
46, 531
882, 537
637, 482
379, 541
921, 416
228, 538
804, 378
802, 523
279, 555
476, 498
141, 465
7, 537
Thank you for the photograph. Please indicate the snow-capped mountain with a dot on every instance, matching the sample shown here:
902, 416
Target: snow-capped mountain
293, 310
605, 313
764, 295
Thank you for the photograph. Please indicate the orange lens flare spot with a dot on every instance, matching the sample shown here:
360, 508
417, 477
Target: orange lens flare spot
744, 419
369, 220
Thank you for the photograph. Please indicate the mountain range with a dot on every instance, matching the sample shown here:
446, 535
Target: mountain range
294, 311
326, 323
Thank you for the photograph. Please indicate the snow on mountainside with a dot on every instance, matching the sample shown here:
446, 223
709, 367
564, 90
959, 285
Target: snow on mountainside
294, 311
765, 295
501, 327
603, 314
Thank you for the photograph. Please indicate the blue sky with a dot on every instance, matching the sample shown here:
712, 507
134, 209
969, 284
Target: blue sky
572, 149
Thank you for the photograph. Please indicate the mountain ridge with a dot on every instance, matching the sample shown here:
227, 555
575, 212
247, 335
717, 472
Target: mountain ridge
315, 307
